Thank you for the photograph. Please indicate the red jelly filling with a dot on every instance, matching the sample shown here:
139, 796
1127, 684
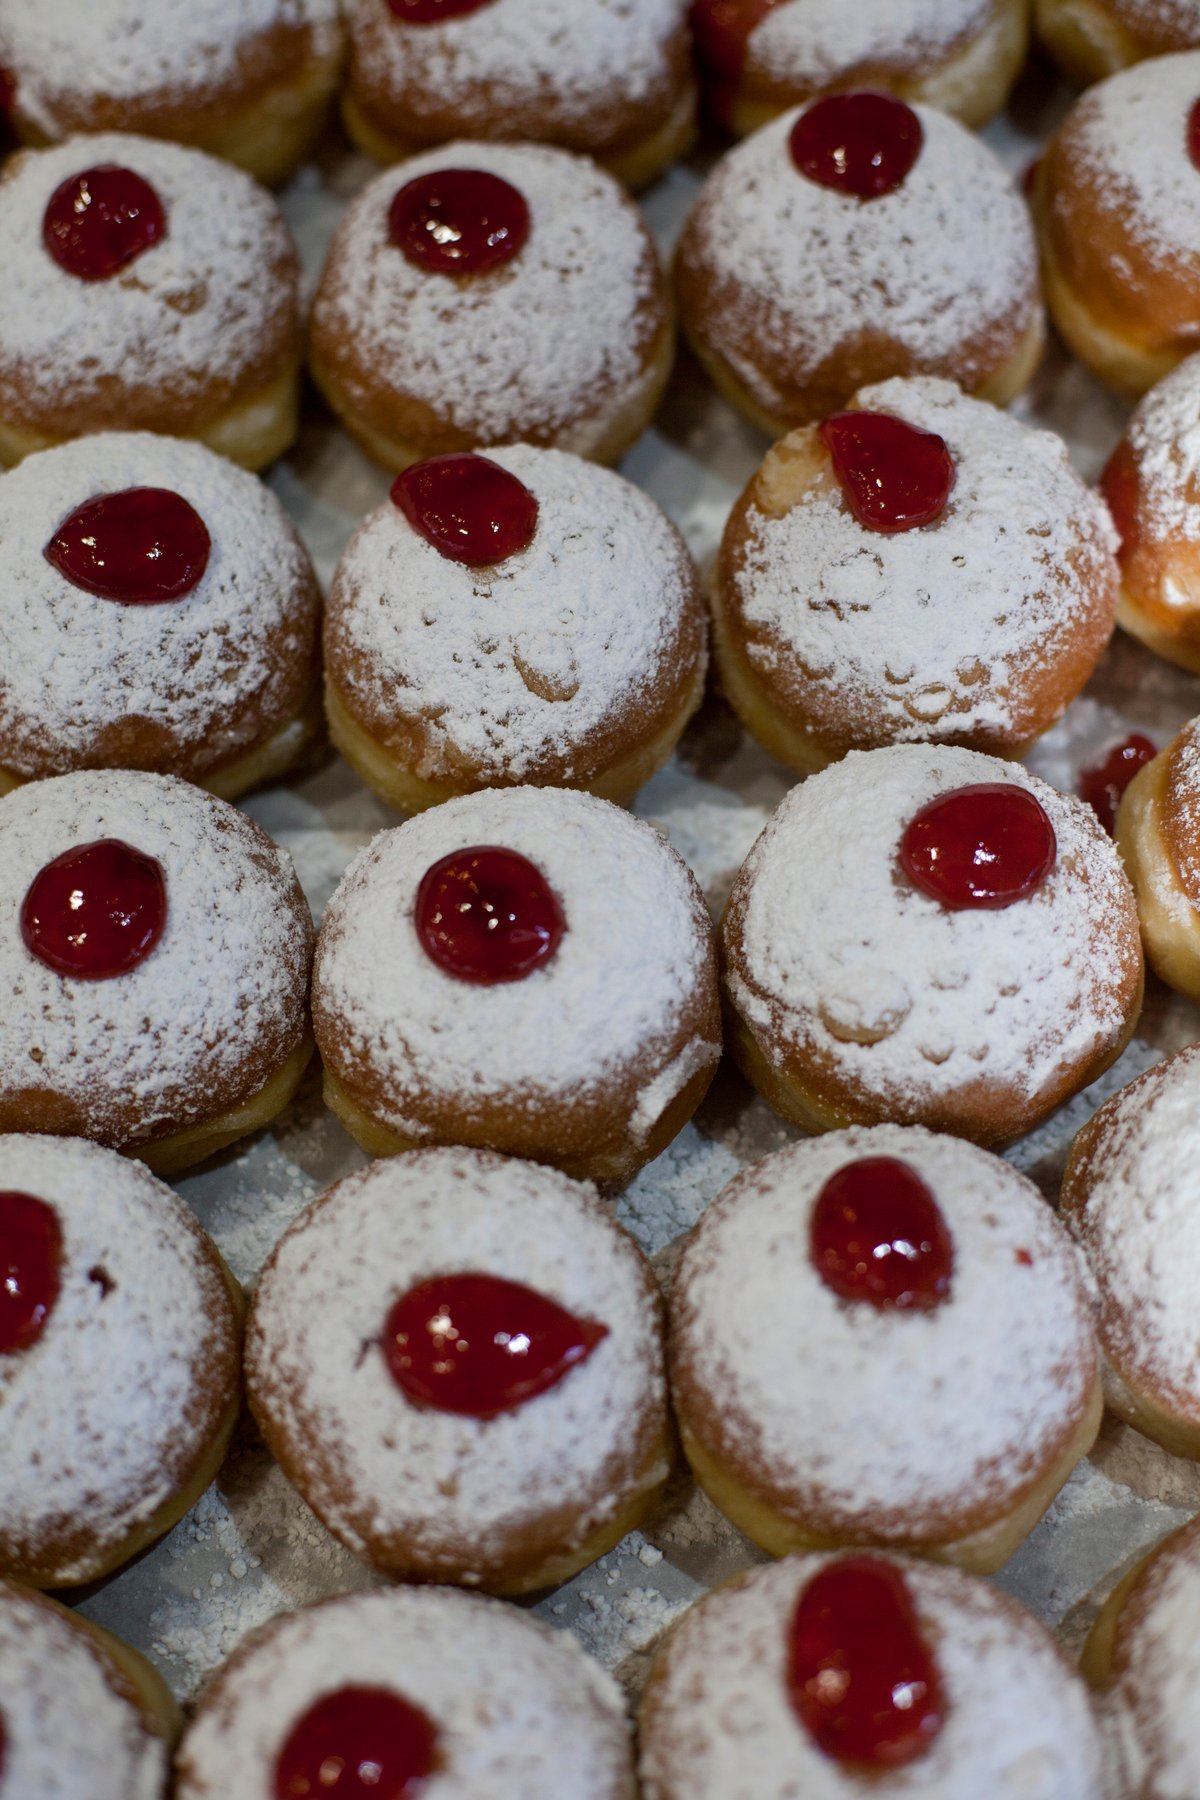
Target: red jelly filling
467, 507
486, 914
432, 12
479, 1345
878, 1234
30, 1260
862, 1679
1103, 784
99, 221
141, 546
1193, 133
1119, 485
458, 221
987, 845
358, 1741
892, 476
862, 144
96, 911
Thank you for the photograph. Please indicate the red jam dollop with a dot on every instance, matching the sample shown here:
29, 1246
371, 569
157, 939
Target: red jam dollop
480, 1345
987, 845
96, 911
140, 546
1103, 784
467, 507
99, 221
863, 144
458, 221
1193, 134
878, 1234
432, 12
486, 914
358, 1742
893, 477
862, 1678
1119, 486
30, 1261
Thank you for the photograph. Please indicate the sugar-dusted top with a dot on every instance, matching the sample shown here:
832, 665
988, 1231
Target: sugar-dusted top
205, 671
70, 1724
818, 40
1018, 1724
1180, 821
1164, 436
1157, 1664
109, 1411
206, 1018
519, 1708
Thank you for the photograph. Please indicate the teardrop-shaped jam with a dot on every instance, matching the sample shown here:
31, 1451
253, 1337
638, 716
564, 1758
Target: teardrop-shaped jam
30, 1265
987, 845
1103, 784
862, 1677
487, 914
479, 1345
863, 144
432, 12
358, 1743
458, 221
96, 911
101, 220
1193, 133
877, 1234
140, 546
1119, 486
467, 507
893, 476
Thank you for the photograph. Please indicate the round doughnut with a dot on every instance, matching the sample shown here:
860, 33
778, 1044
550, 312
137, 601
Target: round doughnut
1090, 39
174, 1022
1158, 834
847, 620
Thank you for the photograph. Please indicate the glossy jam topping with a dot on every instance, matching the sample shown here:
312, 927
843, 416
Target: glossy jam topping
861, 1676
480, 1345
878, 1234
892, 476
99, 221
141, 546
30, 1261
358, 1743
1103, 784
96, 911
467, 507
1193, 133
1119, 486
988, 845
432, 12
862, 144
486, 914
458, 221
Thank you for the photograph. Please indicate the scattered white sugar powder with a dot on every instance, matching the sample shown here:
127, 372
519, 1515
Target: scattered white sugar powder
1181, 818
1164, 435
818, 40
1154, 1701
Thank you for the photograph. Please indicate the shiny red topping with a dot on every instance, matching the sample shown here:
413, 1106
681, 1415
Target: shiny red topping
862, 144
1119, 486
30, 1260
479, 1345
862, 1679
458, 221
141, 546
878, 1234
486, 914
96, 911
101, 220
358, 1741
1193, 133
1103, 784
988, 845
892, 476
432, 12
467, 507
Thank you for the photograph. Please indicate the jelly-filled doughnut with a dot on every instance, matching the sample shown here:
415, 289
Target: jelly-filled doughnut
157, 611
520, 617
146, 287
851, 240
609, 78
445, 1691
507, 1424
154, 957
836, 1677
922, 567
1158, 832
248, 80
120, 1338
1090, 39
929, 936
527, 970
492, 294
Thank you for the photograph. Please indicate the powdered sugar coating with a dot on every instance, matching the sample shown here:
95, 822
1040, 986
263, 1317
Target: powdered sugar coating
108, 1414
519, 1708
1017, 1726
1180, 820
1164, 436
210, 674
1157, 1665
818, 40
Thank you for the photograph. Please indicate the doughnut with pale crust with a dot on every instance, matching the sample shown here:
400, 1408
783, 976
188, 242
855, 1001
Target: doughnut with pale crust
1090, 39
1158, 834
